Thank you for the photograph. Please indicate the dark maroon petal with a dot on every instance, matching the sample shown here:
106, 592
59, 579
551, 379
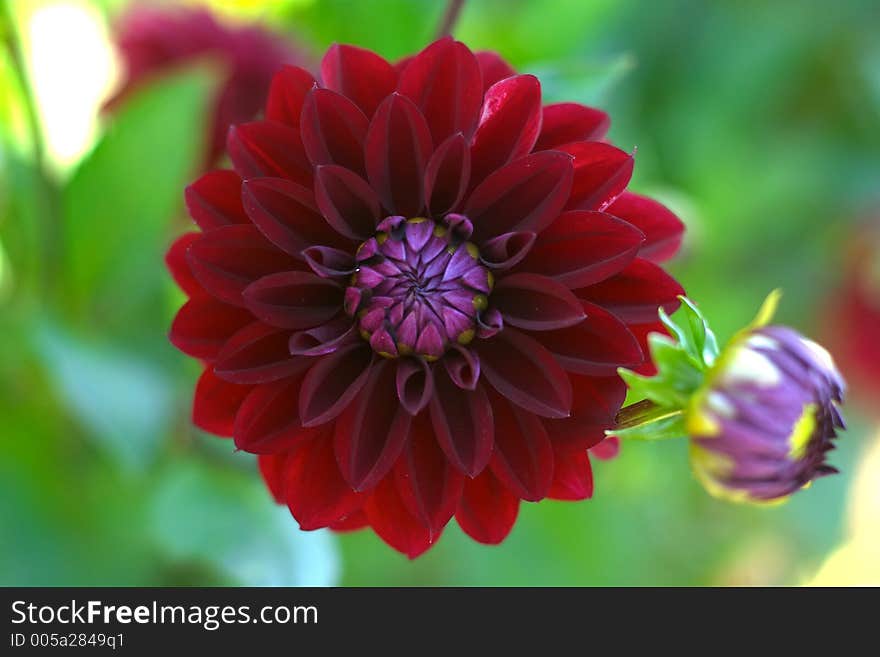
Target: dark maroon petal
314, 489
487, 511
572, 475
358, 74
428, 486
462, 421
641, 332
257, 354
372, 430
226, 260
493, 67
397, 150
415, 384
333, 130
663, 230
347, 202
445, 83
596, 401
601, 173
295, 299
214, 200
568, 122
324, 339
509, 124
203, 325
175, 259
267, 148
328, 262
447, 175
506, 250
536, 303
268, 421
333, 382
394, 523
287, 94
287, 215
463, 367
216, 402
522, 370
523, 456
525, 195
352, 522
635, 294
598, 345
582, 248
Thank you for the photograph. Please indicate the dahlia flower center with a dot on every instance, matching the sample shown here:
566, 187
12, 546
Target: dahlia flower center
419, 287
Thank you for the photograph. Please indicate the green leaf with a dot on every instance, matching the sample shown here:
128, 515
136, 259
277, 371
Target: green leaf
226, 519
118, 205
122, 401
693, 333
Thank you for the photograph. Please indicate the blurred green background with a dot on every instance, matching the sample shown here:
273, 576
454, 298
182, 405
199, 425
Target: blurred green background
758, 122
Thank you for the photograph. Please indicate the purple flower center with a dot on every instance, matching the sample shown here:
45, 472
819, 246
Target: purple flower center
419, 287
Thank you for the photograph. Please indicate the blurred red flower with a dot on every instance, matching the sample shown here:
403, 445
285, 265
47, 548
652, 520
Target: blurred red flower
155, 40
414, 290
852, 316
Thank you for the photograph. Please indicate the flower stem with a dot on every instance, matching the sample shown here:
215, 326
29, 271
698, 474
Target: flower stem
450, 16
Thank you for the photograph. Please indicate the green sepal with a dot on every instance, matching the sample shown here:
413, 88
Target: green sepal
693, 333
660, 424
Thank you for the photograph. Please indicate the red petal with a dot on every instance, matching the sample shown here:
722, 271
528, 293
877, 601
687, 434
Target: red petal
493, 67
324, 339
572, 475
607, 449
352, 522
226, 260
257, 354
272, 467
523, 456
372, 430
294, 299
509, 124
535, 302
463, 367
525, 195
568, 122
216, 402
347, 202
358, 74
444, 81
663, 230
315, 491
596, 346
287, 215
333, 382
203, 325
175, 259
595, 404
214, 200
287, 93
428, 486
328, 262
522, 370
267, 422
582, 248
507, 250
333, 130
635, 294
601, 173
415, 384
394, 524
398, 146
447, 175
487, 511
642, 331
462, 421
266, 148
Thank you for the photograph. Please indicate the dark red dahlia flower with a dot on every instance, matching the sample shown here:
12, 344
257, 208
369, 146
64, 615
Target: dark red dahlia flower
155, 40
414, 291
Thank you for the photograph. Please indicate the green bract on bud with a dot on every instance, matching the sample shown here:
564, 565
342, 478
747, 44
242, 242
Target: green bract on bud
761, 414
